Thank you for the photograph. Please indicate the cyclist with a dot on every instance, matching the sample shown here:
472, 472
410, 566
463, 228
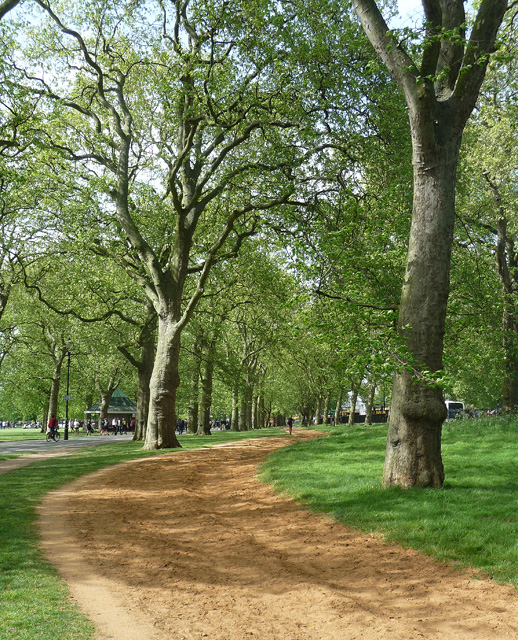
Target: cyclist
53, 425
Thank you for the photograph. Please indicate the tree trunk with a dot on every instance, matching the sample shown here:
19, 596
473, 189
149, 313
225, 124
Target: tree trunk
318, 412
370, 403
234, 420
506, 261
417, 410
510, 345
440, 90
54, 385
192, 423
326, 410
243, 411
106, 394
145, 371
206, 392
352, 412
255, 412
262, 413
54, 396
338, 410
249, 405
165, 379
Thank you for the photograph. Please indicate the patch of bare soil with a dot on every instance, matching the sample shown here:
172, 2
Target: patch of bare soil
191, 545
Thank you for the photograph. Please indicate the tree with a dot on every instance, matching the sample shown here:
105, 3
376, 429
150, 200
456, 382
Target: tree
490, 202
440, 91
218, 146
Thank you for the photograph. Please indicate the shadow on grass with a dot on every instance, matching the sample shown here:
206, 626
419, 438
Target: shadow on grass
471, 521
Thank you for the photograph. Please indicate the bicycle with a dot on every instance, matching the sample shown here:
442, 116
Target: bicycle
53, 436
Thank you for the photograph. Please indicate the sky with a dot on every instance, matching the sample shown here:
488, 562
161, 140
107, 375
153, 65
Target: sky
406, 6
409, 10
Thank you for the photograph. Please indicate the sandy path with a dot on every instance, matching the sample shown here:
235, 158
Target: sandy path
191, 545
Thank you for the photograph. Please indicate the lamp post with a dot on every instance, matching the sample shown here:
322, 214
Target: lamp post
67, 397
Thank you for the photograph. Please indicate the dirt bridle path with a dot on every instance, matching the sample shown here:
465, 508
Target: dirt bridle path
191, 545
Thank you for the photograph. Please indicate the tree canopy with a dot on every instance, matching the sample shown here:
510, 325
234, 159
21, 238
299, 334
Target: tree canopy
254, 209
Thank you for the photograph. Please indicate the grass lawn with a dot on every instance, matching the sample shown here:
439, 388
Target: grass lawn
472, 521
33, 601
18, 433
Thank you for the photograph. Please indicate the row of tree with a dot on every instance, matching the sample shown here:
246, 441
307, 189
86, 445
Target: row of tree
212, 204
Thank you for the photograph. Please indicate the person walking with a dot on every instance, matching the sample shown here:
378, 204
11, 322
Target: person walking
290, 425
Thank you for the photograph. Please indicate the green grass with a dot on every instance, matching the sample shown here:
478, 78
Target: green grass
34, 603
18, 433
471, 522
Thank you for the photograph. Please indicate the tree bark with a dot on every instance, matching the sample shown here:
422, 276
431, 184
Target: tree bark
506, 257
249, 404
6, 6
440, 97
206, 391
338, 410
165, 379
234, 421
57, 352
262, 413
326, 410
370, 404
106, 395
145, 371
192, 422
255, 411
54, 391
318, 411
243, 411
352, 412
417, 410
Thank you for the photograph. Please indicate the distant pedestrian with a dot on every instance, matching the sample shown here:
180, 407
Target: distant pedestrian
290, 425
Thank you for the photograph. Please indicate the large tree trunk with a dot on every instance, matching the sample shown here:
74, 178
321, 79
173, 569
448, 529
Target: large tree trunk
417, 410
440, 89
160, 432
145, 371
